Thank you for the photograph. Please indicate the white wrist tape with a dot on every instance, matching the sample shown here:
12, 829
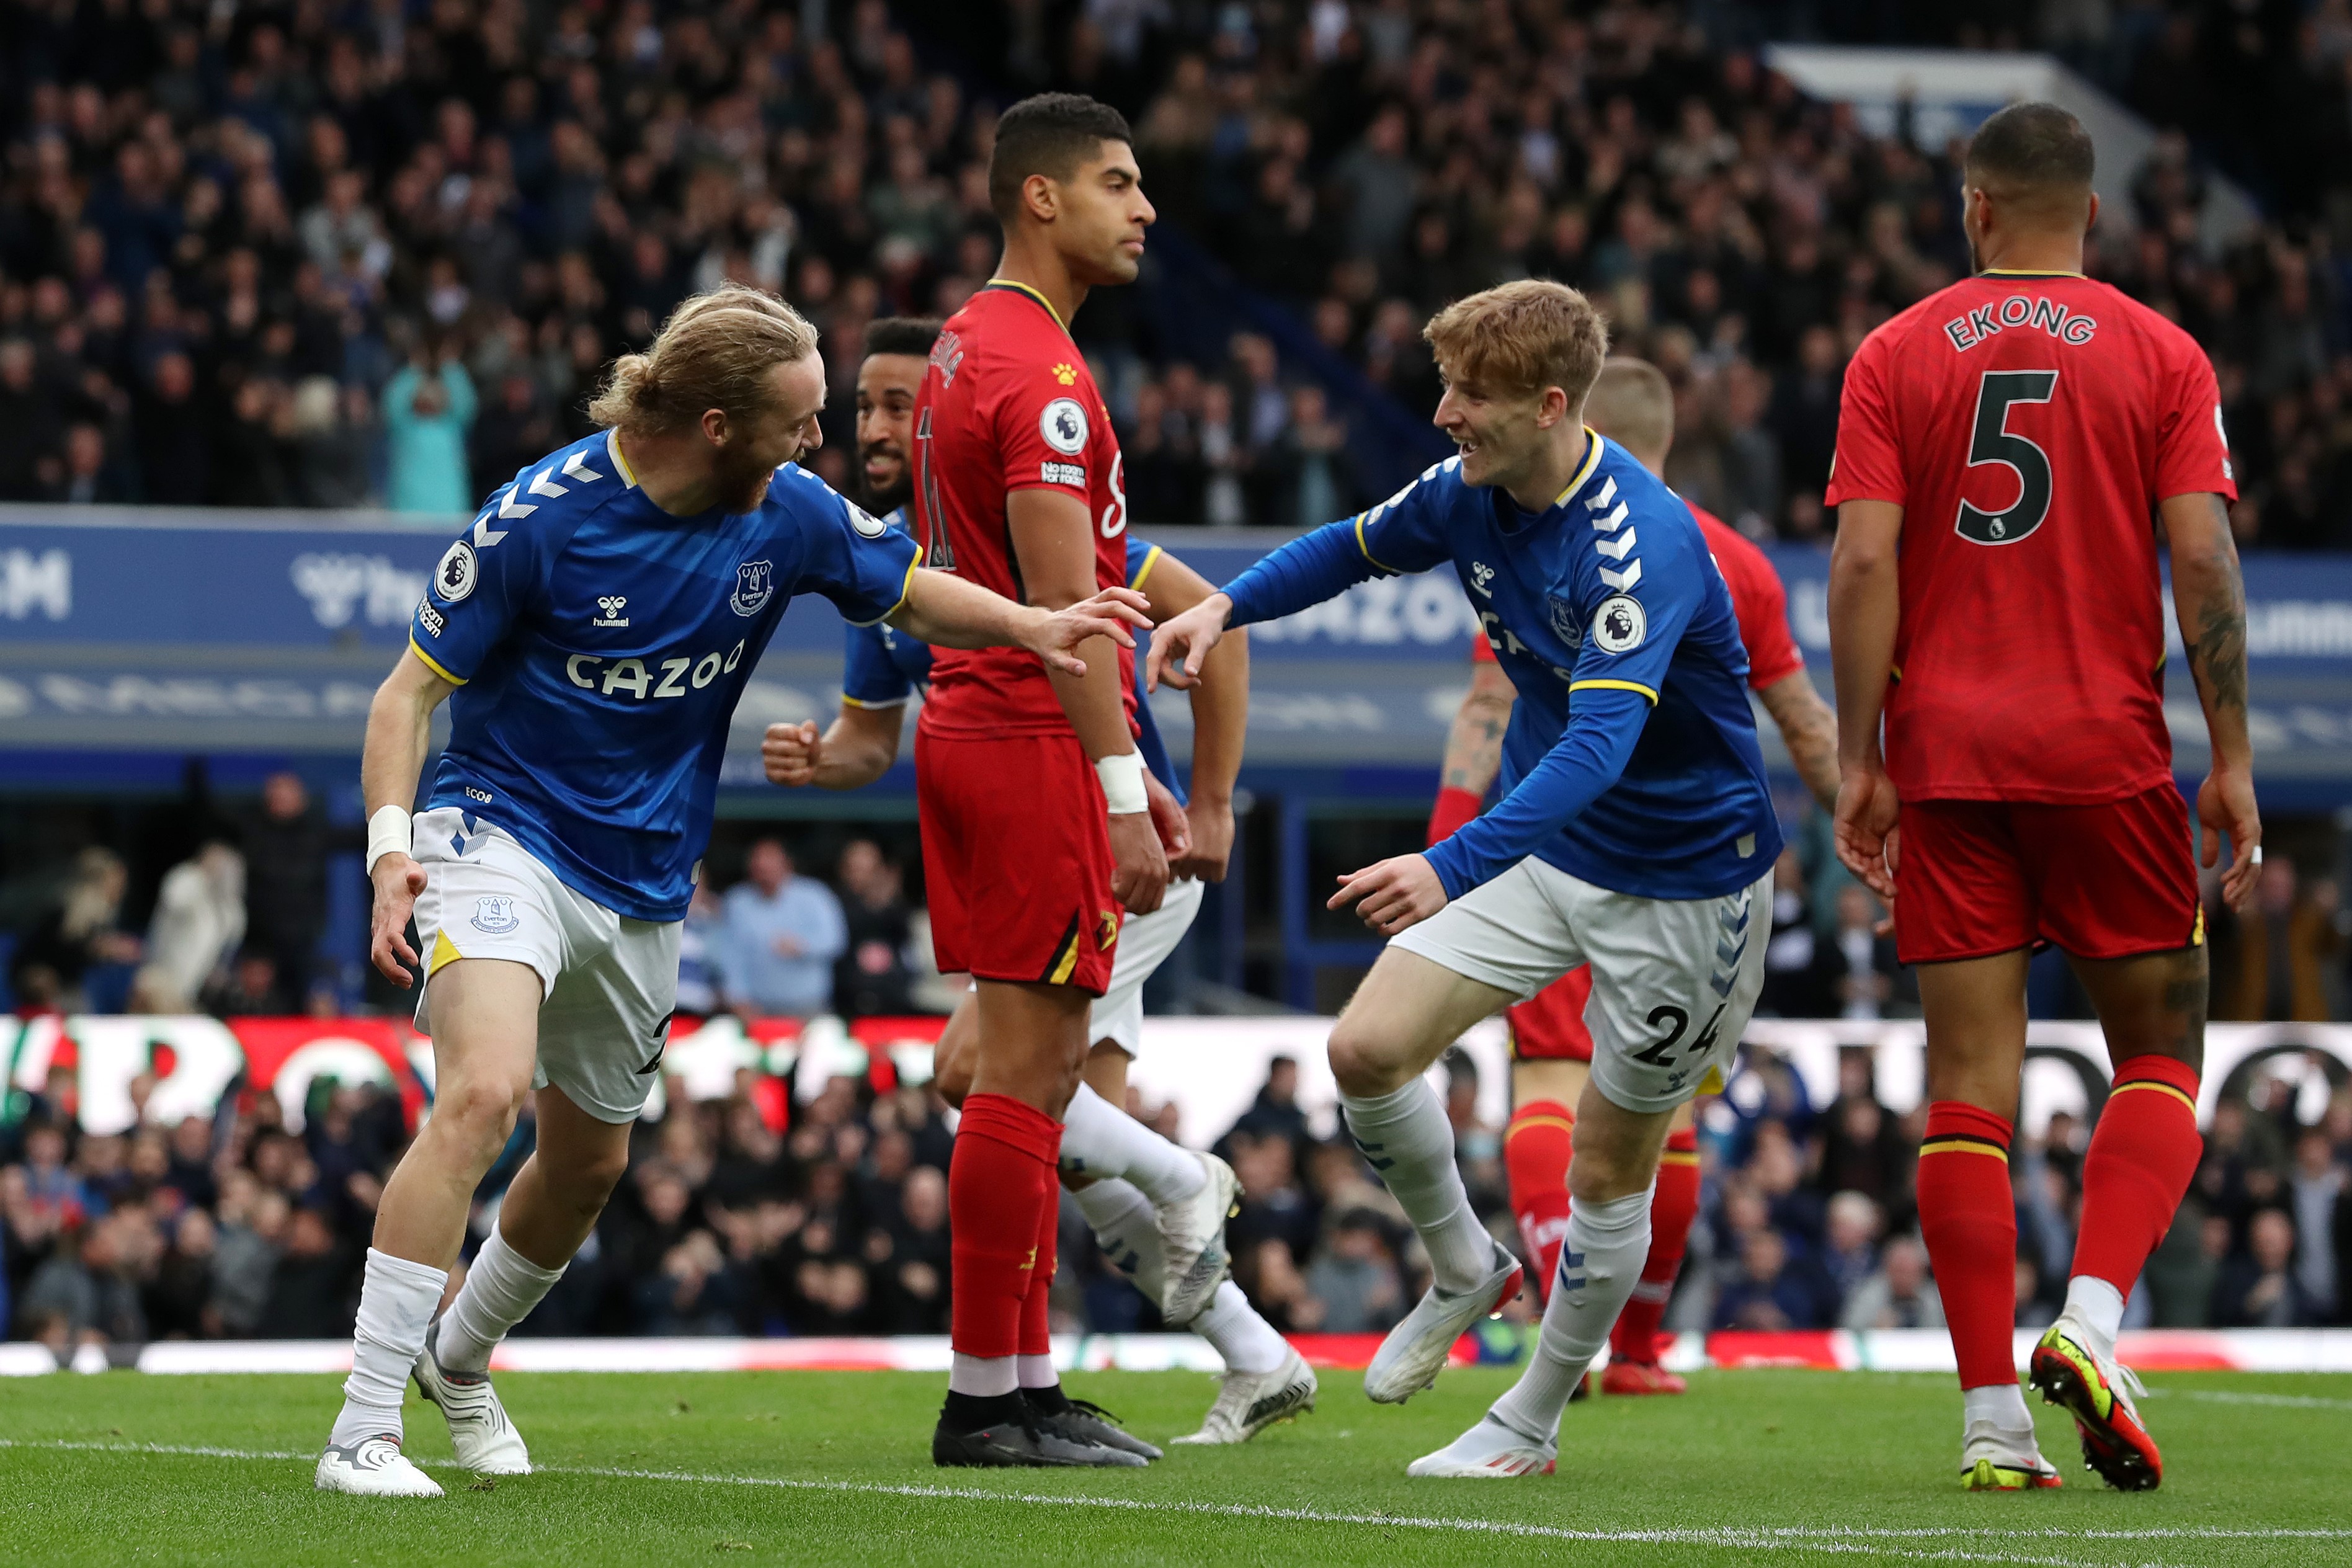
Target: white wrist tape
1122, 784
388, 833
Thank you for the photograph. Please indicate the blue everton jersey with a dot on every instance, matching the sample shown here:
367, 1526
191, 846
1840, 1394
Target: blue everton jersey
599, 646
884, 668
1606, 606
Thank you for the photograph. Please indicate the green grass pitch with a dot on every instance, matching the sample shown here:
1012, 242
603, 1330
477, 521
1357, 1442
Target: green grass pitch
1751, 1466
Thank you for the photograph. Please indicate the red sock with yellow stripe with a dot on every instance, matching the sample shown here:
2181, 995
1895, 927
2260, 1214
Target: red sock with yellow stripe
1967, 1217
2143, 1152
1674, 1205
1536, 1150
1002, 1172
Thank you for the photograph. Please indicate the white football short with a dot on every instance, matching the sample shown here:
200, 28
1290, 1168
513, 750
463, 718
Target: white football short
1674, 980
1144, 943
608, 984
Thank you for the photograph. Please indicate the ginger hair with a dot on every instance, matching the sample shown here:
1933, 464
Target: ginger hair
1520, 338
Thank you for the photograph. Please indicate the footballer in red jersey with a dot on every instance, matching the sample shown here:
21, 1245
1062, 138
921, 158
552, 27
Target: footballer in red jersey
1633, 405
1035, 828
2003, 448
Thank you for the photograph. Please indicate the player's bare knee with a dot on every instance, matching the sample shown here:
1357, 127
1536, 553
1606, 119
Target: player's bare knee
1602, 1176
587, 1184
479, 1114
953, 1078
1363, 1062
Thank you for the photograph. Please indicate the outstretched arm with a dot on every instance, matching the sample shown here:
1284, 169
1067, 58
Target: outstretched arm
2209, 597
1308, 570
946, 611
1865, 607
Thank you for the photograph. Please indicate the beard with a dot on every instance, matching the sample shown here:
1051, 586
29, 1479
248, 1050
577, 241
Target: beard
740, 477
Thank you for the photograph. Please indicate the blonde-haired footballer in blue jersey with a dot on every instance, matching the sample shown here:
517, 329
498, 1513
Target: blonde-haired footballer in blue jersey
591, 631
1636, 834
1148, 1201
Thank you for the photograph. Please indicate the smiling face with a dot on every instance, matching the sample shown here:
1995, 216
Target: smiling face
1500, 433
751, 449
887, 385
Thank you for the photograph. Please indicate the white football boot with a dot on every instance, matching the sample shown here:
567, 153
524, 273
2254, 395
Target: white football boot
1250, 1401
1490, 1451
372, 1467
1192, 1242
485, 1441
1415, 1352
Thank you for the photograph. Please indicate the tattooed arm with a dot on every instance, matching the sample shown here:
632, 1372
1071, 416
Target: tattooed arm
1473, 749
1473, 746
2209, 597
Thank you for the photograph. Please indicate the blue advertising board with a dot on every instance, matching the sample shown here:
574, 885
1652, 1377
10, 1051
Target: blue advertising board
163, 630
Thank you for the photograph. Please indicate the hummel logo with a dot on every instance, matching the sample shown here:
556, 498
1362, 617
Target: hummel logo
612, 605
1480, 576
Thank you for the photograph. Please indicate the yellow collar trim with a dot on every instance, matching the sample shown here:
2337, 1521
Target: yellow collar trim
1033, 294
2026, 272
1592, 461
620, 463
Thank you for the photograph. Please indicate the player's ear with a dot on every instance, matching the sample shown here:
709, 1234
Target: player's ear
714, 426
2091, 218
1042, 196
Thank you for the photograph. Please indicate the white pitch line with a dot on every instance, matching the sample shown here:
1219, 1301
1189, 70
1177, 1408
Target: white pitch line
1848, 1541
2235, 1396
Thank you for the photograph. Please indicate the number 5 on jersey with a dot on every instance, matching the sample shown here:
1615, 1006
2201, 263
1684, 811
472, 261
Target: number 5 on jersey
1994, 443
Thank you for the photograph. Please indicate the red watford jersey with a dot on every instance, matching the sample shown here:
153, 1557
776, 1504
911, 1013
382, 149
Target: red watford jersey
1758, 601
1007, 404
2028, 424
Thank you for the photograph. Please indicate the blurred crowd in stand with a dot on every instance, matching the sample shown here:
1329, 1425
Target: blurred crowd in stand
333, 256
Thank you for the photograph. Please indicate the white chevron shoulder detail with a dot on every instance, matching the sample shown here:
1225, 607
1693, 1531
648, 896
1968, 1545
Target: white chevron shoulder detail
1608, 493
1614, 521
1620, 581
1615, 549
575, 466
545, 485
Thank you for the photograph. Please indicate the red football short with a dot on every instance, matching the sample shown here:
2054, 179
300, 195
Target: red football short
1975, 877
1016, 859
1549, 1027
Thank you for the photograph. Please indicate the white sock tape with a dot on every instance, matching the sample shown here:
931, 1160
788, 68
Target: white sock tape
388, 833
1122, 784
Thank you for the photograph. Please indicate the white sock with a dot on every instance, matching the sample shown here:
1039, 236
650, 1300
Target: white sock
396, 1302
1121, 1219
1102, 1141
982, 1376
2100, 1306
500, 1291
1235, 1331
1037, 1372
1409, 1143
1999, 1406
1600, 1262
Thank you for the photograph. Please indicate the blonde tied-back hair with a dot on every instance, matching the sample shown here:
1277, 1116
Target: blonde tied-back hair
716, 351
1522, 337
